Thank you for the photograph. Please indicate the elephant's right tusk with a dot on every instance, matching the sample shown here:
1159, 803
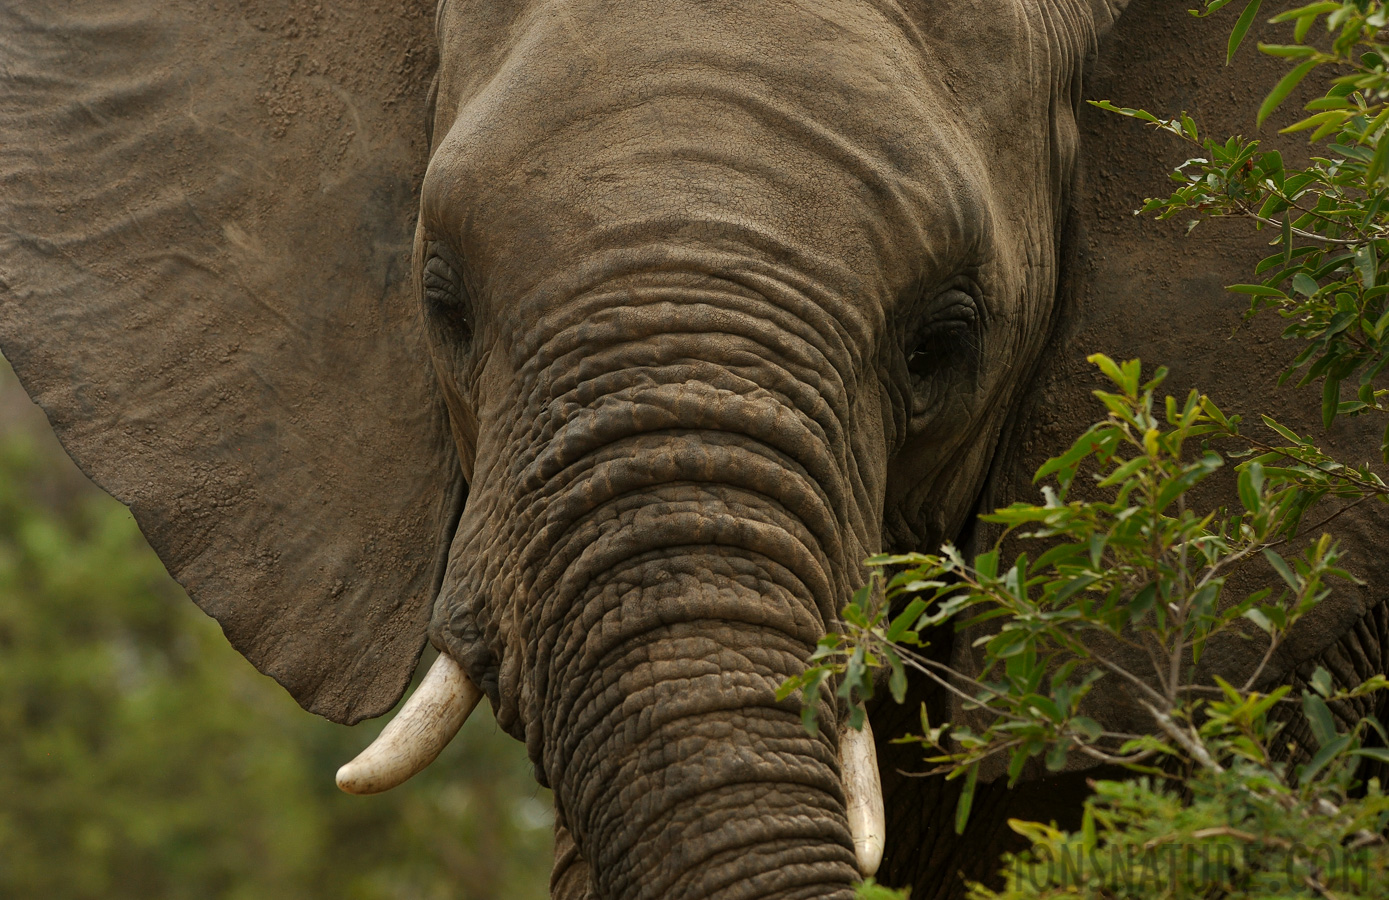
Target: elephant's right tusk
418, 733
858, 760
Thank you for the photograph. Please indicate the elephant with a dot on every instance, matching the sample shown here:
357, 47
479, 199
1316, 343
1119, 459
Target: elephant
598, 344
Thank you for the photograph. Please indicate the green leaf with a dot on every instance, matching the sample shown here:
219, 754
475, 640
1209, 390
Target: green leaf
868, 889
1304, 25
1333, 118
986, 564
1251, 484
1287, 51
1257, 290
1089, 840
966, 798
905, 620
1376, 167
1330, 400
1325, 755
1366, 261
1258, 618
1319, 719
1332, 102
1311, 9
1285, 433
1092, 441
897, 681
1074, 586
1342, 320
1046, 706
1127, 469
1142, 602
1088, 727
1112, 371
1246, 19
1377, 330
857, 716
857, 610
1141, 114
1284, 87
1061, 554
1016, 762
1378, 754
1282, 568
1321, 682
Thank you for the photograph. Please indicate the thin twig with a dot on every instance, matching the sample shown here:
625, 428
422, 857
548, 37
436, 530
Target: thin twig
1273, 643
1323, 523
925, 665
1309, 235
1175, 731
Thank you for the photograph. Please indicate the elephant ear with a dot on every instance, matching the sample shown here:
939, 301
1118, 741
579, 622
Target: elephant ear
1138, 288
206, 216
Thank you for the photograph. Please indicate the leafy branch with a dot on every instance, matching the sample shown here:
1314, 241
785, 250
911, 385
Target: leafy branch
1329, 220
1130, 587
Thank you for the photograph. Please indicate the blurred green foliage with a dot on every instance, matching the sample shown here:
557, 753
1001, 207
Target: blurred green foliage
141, 757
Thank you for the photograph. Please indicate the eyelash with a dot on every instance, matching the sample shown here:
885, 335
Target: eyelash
948, 340
446, 299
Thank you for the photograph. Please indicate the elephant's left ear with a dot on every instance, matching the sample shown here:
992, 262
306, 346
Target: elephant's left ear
206, 214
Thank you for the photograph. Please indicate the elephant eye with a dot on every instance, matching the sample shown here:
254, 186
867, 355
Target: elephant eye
944, 350
446, 300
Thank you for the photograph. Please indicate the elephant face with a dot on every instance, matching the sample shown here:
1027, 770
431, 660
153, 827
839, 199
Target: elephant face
723, 299
880, 207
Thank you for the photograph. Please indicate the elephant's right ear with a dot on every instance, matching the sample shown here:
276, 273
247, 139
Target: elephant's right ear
206, 213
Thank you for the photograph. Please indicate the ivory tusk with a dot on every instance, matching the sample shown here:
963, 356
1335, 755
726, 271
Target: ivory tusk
418, 733
858, 760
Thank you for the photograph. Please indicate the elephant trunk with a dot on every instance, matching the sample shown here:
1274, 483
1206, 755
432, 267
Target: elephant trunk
693, 580
684, 519
682, 775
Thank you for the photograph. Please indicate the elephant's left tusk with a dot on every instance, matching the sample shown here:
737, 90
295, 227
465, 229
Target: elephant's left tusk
858, 760
418, 733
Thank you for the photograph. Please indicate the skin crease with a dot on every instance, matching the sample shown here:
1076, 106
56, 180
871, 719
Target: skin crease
729, 303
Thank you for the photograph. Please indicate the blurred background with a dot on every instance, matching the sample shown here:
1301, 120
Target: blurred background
141, 757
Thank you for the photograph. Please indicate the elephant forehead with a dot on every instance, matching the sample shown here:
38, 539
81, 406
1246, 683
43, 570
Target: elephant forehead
984, 52
694, 171
837, 126
882, 71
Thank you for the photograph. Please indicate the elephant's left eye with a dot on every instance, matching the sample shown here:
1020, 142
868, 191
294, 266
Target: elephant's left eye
446, 300
944, 349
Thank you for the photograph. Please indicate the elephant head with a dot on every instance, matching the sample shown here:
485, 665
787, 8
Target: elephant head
720, 302
709, 301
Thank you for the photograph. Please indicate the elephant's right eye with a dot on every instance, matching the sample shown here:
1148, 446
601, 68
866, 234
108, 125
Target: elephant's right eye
446, 300
944, 355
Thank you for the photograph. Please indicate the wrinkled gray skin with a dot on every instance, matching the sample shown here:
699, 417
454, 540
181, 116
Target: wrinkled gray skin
718, 315
719, 298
